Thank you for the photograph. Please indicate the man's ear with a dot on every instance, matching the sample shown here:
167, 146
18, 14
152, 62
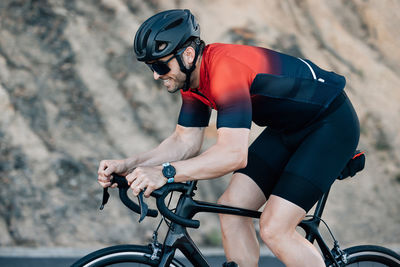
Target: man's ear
189, 54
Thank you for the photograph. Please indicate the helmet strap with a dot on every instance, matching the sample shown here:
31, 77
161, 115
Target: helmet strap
189, 71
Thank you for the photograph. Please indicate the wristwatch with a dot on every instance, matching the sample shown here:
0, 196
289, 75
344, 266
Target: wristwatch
169, 172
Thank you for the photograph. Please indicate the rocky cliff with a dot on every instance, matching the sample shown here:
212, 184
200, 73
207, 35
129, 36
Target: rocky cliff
71, 94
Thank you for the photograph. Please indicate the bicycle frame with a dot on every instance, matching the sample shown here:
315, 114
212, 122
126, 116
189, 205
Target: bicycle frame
178, 238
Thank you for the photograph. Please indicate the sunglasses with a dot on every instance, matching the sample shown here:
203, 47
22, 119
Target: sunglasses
161, 67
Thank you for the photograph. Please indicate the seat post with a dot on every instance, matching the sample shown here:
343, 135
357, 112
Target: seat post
311, 226
321, 205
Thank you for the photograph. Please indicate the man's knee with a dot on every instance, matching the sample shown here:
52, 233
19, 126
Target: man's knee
279, 220
271, 231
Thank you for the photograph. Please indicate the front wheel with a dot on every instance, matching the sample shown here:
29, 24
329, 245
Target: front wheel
372, 256
120, 255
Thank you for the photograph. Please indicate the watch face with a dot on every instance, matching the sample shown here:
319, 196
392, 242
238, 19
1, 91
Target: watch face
169, 171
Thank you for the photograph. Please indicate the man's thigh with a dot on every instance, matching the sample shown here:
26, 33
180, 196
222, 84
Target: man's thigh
243, 192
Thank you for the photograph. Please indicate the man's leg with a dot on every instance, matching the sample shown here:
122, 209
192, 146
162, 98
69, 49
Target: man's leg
309, 172
238, 233
278, 230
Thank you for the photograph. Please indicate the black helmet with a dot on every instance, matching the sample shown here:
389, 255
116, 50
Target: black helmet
172, 28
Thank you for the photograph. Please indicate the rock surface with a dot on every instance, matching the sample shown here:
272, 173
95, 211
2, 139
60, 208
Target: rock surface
71, 94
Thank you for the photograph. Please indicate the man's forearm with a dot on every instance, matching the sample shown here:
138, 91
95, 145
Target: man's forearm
175, 147
215, 162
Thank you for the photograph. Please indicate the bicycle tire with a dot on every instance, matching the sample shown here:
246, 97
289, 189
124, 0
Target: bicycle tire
120, 255
371, 256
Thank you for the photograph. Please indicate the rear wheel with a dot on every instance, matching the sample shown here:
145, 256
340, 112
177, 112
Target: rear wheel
371, 256
123, 255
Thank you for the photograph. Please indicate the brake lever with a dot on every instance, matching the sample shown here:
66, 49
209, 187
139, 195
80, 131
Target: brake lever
143, 207
106, 196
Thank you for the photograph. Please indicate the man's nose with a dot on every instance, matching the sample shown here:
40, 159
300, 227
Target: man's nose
156, 75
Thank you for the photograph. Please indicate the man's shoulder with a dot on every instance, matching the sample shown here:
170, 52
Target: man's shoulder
217, 51
223, 47
220, 52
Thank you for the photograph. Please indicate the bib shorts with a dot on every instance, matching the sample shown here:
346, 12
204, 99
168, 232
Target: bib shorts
301, 166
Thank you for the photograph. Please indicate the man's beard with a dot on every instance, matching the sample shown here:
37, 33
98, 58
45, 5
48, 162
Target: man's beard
174, 89
179, 84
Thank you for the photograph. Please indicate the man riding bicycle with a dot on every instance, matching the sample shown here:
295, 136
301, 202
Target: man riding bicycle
311, 132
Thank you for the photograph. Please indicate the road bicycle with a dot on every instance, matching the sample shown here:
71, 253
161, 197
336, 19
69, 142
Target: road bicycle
180, 218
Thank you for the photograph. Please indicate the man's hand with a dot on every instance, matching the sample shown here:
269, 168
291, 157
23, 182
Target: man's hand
150, 178
108, 167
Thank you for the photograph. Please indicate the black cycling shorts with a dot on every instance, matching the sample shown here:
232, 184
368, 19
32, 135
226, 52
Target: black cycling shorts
300, 166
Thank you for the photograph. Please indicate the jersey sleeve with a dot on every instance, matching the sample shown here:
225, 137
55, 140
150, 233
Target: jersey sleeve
230, 87
194, 113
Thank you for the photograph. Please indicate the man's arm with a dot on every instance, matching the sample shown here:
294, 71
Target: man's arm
227, 155
184, 143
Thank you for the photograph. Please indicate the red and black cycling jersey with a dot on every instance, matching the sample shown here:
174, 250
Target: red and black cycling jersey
245, 83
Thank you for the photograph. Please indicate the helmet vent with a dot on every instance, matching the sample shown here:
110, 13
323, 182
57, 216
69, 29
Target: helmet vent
174, 24
145, 38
